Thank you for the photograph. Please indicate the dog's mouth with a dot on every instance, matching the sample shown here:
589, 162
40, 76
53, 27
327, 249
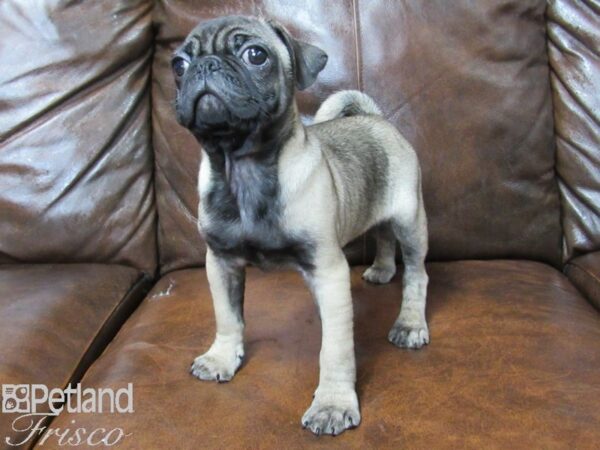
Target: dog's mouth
212, 107
211, 110
213, 117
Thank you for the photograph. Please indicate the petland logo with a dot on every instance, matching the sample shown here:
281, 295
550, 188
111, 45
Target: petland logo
33, 401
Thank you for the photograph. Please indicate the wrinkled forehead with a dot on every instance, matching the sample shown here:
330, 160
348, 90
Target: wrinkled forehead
212, 36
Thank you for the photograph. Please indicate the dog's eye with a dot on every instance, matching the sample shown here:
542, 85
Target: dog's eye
255, 55
179, 65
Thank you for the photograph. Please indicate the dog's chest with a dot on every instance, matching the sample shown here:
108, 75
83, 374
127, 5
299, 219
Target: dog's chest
244, 220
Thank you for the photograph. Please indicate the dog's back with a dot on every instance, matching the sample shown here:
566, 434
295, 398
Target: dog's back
374, 168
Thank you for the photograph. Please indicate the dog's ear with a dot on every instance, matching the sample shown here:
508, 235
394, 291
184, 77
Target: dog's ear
307, 60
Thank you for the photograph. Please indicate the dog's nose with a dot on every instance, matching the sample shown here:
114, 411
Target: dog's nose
208, 64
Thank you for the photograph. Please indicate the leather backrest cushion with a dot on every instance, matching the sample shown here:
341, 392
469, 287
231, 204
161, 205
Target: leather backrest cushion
75, 155
466, 82
574, 51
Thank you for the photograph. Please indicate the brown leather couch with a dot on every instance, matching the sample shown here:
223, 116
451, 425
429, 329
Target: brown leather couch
101, 276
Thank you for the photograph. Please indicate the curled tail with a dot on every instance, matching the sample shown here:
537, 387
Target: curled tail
346, 103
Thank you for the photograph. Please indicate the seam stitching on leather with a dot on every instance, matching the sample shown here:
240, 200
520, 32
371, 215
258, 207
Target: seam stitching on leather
135, 287
552, 76
580, 286
357, 45
587, 272
357, 51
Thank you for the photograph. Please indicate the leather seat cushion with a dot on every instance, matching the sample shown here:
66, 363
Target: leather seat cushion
55, 319
513, 361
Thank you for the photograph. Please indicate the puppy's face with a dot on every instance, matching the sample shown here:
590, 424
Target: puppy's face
236, 75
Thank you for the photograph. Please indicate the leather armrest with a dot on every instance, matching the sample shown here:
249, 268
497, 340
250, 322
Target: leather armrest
584, 273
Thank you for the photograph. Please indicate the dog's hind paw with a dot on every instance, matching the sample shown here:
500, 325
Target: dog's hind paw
379, 275
409, 337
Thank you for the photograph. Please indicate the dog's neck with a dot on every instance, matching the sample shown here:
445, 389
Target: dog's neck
261, 147
245, 168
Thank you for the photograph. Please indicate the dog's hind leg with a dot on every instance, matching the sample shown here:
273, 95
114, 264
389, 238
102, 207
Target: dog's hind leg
410, 329
384, 267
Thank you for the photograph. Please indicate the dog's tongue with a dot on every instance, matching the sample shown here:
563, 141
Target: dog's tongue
211, 110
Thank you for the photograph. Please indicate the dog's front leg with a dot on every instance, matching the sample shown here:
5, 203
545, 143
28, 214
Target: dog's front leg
335, 404
226, 354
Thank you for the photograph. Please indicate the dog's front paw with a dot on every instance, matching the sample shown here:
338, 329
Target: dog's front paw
332, 412
379, 275
217, 365
407, 336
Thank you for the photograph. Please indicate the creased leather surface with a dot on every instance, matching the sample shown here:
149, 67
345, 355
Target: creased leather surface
49, 318
513, 363
574, 50
75, 163
468, 85
584, 272
466, 82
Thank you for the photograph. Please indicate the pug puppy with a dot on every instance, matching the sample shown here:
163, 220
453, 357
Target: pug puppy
274, 193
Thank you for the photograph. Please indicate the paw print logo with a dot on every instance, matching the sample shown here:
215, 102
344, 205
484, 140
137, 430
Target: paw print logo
15, 398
